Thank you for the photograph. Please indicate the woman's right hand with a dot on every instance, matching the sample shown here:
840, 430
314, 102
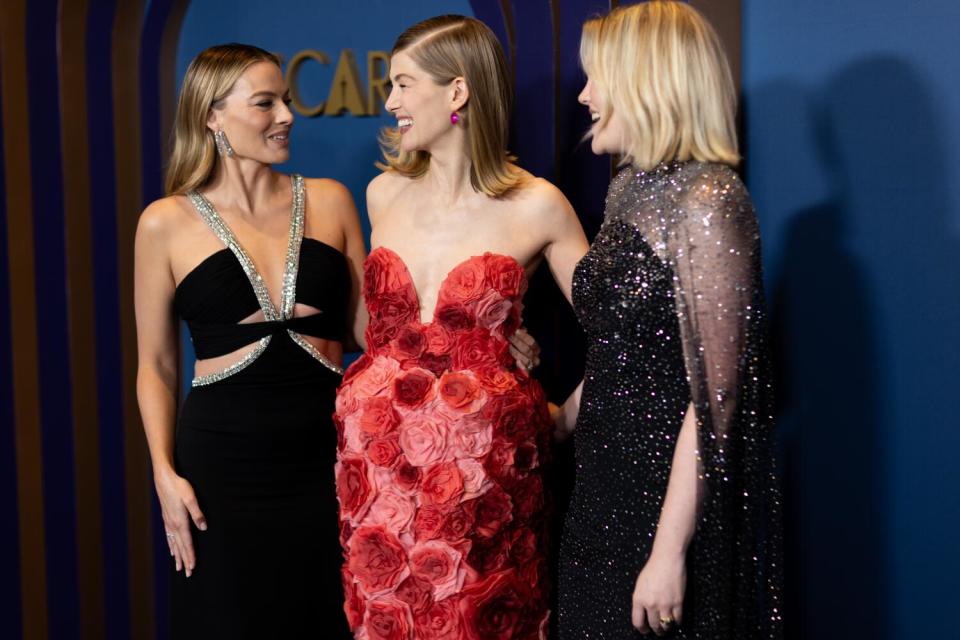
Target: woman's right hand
179, 505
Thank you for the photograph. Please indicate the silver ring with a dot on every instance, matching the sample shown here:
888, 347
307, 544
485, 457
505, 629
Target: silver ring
171, 536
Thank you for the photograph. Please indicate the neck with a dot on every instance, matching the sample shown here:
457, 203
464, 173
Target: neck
449, 172
242, 184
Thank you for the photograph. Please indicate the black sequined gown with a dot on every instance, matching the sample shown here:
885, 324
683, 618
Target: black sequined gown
671, 299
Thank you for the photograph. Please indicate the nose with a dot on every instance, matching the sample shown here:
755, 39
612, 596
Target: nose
584, 97
393, 101
284, 114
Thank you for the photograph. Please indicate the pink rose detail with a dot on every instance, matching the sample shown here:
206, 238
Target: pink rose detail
423, 440
440, 622
354, 488
386, 620
439, 564
442, 483
474, 436
492, 309
377, 559
465, 282
459, 391
376, 379
439, 340
475, 480
392, 510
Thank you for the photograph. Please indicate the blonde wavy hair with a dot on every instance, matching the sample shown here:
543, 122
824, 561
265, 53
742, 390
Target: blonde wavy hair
661, 67
448, 47
208, 81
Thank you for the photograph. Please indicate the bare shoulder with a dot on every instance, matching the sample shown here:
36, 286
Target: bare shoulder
162, 217
327, 193
541, 202
382, 190
328, 198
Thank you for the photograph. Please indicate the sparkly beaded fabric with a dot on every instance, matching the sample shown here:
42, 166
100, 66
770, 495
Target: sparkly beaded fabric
670, 297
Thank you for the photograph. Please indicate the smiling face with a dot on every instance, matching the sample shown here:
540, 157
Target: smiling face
255, 116
422, 107
606, 132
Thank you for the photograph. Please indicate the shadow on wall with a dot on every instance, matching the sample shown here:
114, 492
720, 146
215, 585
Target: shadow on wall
875, 240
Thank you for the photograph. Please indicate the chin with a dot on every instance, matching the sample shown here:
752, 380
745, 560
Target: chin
408, 146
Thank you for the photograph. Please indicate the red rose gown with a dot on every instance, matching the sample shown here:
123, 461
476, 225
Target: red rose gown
441, 439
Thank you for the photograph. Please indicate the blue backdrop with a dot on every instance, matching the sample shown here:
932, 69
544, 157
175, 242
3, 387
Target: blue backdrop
852, 129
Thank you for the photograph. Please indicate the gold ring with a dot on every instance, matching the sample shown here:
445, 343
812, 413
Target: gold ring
666, 621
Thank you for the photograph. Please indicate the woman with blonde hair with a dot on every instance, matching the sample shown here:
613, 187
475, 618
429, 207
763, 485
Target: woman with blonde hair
674, 521
263, 267
443, 438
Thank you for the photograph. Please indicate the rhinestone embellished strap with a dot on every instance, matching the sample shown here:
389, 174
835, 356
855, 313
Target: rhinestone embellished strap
244, 362
288, 294
270, 313
312, 350
219, 227
289, 297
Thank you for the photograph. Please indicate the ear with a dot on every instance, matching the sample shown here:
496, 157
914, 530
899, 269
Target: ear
213, 120
459, 94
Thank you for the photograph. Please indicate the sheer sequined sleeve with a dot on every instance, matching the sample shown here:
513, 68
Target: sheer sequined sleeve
714, 246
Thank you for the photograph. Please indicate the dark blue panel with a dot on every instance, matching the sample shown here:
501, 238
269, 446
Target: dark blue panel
56, 424
581, 175
151, 146
106, 293
489, 12
533, 135
9, 530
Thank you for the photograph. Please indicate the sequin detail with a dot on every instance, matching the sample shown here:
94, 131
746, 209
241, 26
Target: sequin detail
670, 297
289, 288
243, 363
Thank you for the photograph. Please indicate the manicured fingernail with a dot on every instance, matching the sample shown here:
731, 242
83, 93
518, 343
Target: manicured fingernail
203, 525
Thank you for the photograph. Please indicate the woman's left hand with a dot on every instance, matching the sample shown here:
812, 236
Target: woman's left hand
524, 349
658, 595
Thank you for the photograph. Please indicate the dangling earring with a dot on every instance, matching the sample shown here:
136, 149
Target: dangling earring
223, 145
454, 118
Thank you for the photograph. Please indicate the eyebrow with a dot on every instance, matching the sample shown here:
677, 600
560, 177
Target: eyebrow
269, 94
401, 75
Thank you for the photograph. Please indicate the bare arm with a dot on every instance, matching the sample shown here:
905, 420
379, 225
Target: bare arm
157, 347
356, 252
678, 517
158, 358
566, 245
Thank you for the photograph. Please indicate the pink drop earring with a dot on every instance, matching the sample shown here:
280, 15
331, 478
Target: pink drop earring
454, 118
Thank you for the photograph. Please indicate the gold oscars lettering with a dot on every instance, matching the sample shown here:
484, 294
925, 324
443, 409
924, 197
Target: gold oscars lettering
346, 92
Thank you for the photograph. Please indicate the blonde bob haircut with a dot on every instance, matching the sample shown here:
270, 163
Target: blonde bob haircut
449, 47
208, 81
660, 66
